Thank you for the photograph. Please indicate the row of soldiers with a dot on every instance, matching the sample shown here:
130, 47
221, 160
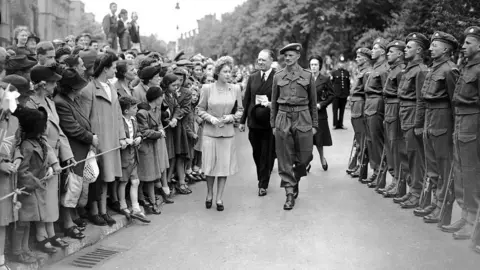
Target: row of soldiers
420, 124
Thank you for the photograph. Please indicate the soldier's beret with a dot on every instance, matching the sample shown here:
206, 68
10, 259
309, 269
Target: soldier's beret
183, 62
297, 47
381, 42
445, 38
419, 38
397, 44
365, 52
473, 31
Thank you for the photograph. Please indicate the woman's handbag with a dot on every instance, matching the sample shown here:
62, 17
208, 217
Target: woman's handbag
91, 170
73, 189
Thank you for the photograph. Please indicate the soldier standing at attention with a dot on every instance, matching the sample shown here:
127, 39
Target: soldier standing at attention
374, 106
465, 138
436, 98
411, 84
358, 105
294, 120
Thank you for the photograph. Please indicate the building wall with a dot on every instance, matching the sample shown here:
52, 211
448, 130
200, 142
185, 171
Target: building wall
53, 18
4, 23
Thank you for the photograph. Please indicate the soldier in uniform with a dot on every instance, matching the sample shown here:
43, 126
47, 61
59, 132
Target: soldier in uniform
294, 120
435, 100
341, 88
374, 106
393, 134
357, 107
465, 138
411, 84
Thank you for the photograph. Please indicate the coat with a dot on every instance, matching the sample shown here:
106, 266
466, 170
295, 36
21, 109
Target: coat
135, 33
129, 155
153, 156
8, 153
106, 119
175, 112
183, 146
121, 91
255, 86
325, 95
123, 36
61, 147
33, 168
76, 126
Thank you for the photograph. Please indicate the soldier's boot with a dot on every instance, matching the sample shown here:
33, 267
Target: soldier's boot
464, 233
411, 203
290, 202
371, 179
454, 227
402, 199
434, 216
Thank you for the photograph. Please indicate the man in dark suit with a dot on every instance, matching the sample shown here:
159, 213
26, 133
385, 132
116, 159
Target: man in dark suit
341, 87
109, 26
257, 101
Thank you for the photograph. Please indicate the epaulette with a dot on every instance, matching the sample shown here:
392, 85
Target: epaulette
278, 71
452, 64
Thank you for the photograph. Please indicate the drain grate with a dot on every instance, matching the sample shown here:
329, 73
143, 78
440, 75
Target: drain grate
93, 258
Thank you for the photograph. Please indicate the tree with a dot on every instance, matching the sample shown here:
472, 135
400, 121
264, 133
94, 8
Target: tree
86, 25
152, 43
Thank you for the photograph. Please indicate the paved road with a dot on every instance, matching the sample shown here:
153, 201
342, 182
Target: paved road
336, 224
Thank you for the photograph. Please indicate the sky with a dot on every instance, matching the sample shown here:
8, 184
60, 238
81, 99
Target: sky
160, 16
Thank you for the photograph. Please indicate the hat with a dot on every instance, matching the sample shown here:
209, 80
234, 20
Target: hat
32, 36
381, 42
183, 63
22, 84
148, 73
261, 114
473, 31
88, 57
297, 47
397, 44
178, 56
61, 52
153, 93
365, 52
43, 73
445, 38
20, 62
71, 79
419, 38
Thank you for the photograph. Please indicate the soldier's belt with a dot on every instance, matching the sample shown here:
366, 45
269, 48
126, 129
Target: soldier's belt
438, 104
408, 103
392, 100
293, 108
357, 98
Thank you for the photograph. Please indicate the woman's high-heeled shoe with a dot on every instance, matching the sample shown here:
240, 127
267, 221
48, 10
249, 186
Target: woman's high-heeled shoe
208, 204
220, 206
325, 166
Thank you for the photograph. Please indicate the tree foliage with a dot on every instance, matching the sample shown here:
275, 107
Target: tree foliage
331, 27
152, 43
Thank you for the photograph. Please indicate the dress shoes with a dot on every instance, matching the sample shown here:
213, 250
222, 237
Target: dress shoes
434, 217
422, 212
454, 227
325, 166
411, 203
464, 233
402, 199
262, 192
289, 203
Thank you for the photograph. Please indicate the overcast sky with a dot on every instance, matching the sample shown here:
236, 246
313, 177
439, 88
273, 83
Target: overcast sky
160, 16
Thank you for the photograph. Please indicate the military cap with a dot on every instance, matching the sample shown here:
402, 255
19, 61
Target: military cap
20, 62
397, 44
445, 38
43, 73
183, 63
22, 84
148, 73
419, 38
473, 31
381, 42
297, 47
365, 52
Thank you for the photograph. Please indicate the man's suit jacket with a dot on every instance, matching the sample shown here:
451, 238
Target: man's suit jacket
255, 86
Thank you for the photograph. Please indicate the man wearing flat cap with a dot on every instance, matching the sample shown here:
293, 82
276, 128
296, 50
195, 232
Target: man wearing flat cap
257, 101
393, 135
357, 99
436, 99
413, 157
374, 106
465, 139
294, 120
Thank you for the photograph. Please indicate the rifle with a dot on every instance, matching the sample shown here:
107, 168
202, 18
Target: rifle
351, 160
426, 194
476, 231
381, 179
363, 170
447, 206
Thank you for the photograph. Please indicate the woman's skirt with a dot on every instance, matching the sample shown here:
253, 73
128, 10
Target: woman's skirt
322, 137
219, 156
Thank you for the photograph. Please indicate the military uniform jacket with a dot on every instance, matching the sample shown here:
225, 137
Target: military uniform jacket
466, 97
409, 90
341, 83
437, 89
390, 91
294, 88
374, 88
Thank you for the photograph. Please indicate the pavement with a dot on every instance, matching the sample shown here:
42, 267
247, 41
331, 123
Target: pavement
337, 223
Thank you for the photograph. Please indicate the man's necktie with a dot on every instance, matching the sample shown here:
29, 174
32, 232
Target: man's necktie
263, 76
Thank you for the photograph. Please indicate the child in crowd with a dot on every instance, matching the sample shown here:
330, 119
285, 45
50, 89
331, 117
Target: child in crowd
153, 156
192, 132
130, 160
